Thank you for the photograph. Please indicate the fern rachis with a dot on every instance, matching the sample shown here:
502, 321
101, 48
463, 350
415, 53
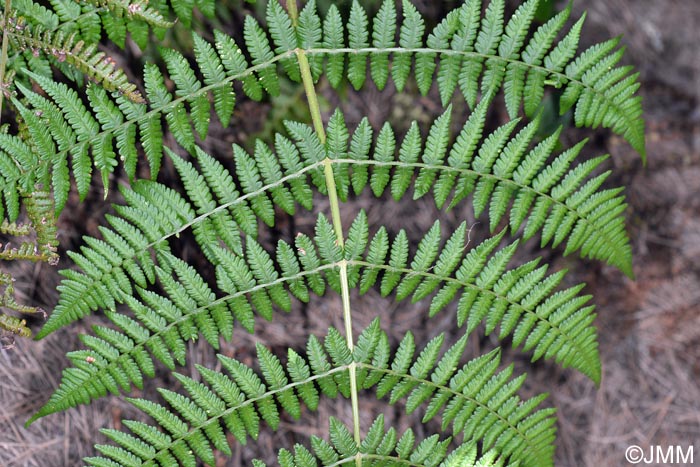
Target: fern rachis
522, 183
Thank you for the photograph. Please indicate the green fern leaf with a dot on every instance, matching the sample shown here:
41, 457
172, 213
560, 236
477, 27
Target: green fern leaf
440, 38
336, 148
261, 53
159, 96
333, 39
423, 259
223, 186
398, 260
409, 152
434, 154
342, 438
358, 38
235, 63
300, 372
276, 379
463, 42
284, 37
383, 31
188, 85
534, 54
355, 245
310, 262
509, 49
213, 71
384, 152
378, 249
251, 182
410, 37
446, 263
194, 418
310, 35
359, 151
311, 150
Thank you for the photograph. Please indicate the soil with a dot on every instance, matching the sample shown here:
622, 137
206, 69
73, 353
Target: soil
649, 327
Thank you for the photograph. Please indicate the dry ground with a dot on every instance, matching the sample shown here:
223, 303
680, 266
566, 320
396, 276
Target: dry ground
649, 328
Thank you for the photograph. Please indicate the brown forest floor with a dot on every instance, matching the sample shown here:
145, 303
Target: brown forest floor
649, 328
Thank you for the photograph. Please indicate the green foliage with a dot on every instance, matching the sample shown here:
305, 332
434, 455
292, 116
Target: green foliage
555, 198
62, 35
156, 302
475, 399
599, 98
66, 36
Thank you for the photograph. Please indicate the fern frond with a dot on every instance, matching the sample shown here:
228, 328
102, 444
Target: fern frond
523, 301
156, 302
258, 45
384, 447
110, 262
65, 36
488, 53
14, 181
193, 423
85, 57
467, 45
236, 207
186, 110
552, 196
139, 10
91, 18
137, 16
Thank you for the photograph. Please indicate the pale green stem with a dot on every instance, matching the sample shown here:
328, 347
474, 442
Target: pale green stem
315, 110
293, 11
3, 57
314, 107
335, 206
